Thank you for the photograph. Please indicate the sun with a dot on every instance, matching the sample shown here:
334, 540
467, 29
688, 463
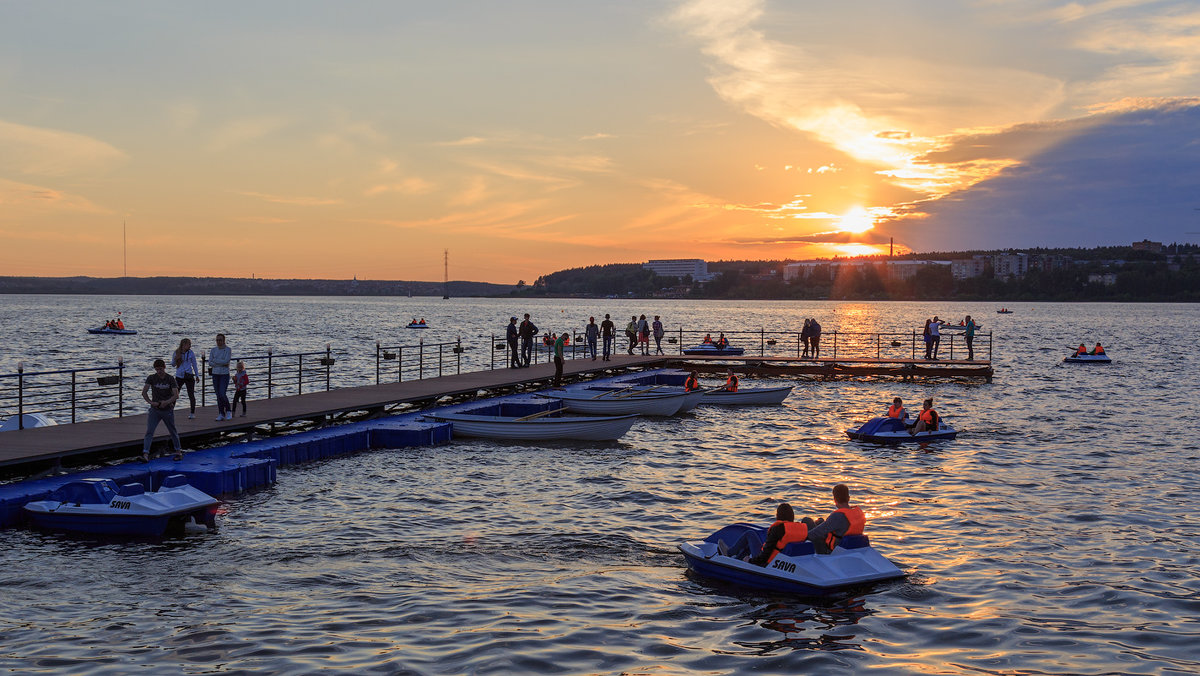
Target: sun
856, 220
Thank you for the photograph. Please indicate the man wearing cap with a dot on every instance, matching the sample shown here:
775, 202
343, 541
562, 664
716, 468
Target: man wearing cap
514, 357
165, 391
527, 331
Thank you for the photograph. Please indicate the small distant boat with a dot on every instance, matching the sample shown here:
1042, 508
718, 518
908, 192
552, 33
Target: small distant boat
1087, 359
710, 349
1004, 312
546, 426
417, 325
621, 401
115, 332
797, 569
98, 506
761, 396
885, 430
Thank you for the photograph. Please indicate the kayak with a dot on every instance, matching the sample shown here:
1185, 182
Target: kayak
1087, 359
797, 569
885, 430
115, 332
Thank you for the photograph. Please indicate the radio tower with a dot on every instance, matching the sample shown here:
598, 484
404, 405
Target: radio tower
445, 274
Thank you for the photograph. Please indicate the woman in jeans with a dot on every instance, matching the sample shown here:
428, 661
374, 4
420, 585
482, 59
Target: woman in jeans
186, 371
218, 366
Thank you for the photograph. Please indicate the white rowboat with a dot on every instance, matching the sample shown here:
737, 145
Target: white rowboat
586, 428
763, 396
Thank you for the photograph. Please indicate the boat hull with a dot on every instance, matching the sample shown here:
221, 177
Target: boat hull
763, 396
797, 573
584, 428
713, 351
114, 332
1087, 359
98, 506
688, 402
417, 326
893, 431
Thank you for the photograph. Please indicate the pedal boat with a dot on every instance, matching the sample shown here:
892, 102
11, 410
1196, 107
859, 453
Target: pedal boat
713, 350
886, 430
417, 325
1087, 359
99, 506
797, 569
115, 332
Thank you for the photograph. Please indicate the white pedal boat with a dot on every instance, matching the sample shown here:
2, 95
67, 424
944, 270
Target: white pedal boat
99, 506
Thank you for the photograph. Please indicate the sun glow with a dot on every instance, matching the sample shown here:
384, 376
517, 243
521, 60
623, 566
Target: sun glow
856, 220
858, 249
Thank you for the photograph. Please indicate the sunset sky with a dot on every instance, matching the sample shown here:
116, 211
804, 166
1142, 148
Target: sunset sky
329, 140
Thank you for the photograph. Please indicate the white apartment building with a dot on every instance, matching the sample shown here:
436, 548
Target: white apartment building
680, 267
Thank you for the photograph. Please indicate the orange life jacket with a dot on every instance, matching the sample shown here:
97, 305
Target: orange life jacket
690, 385
895, 411
1082, 350
1099, 349
857, 521
793, 531
928, 415
731, 383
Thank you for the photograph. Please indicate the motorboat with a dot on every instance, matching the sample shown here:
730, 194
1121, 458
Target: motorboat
886, 430
542, 426
1087, 359
753, 396
710, 349
27, 421
797, 569
99, 506
112, 331
620, 402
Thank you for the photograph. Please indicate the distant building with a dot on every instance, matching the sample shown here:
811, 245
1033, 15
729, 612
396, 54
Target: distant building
901, 269
1105, 278
906, 269
966, 268
1147, 245
1007, 265
680, 267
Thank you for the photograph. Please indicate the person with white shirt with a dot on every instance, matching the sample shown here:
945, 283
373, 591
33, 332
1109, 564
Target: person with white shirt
218, 366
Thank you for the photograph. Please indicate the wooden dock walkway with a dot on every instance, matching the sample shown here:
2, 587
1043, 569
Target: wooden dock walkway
57, 442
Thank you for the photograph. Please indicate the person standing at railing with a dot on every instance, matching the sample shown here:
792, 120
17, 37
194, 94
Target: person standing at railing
186, 372
218, 366
591, 332
631, 333
659, 332
511, 335
559, 342
527, 331
805, 337
814, 338
161, 392
241, 381
969, 336
935, 335
608, 331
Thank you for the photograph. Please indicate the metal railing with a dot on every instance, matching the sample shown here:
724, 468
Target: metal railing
286, 374
541, 351
52, 392
838, 344
437, 357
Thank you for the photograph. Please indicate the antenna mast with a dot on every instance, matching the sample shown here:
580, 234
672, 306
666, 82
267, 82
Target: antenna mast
445, 274
124, 250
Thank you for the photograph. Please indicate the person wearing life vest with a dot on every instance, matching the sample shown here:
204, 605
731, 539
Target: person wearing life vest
928, 420
825, 534
780, 534
120, 324
1081, 351
707, 339
722, 342
1099, 349
731, 383
896, 410
692, 383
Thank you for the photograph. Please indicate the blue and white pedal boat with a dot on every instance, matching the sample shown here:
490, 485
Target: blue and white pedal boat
416, 325
99, 506
712, 350
1087, 359
115, 332
797, 569
885, 430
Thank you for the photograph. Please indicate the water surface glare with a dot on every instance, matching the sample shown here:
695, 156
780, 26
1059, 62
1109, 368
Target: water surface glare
1056, 535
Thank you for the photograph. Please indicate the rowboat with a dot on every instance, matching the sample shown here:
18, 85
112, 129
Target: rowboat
760, 396
797, 569
99, 506
548, 427
1087, 359
114, 332
713, 350
618, 402
886, 430
691, 401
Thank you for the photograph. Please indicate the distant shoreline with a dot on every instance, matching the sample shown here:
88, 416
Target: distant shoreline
233, 286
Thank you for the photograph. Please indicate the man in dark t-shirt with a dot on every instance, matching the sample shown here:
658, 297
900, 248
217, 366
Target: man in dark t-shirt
160, 391
607, 331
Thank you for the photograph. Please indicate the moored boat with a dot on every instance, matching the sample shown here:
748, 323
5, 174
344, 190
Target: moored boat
27, 421
620, 402
885, 430
545, 426
99, 506
754, 396
713, 350
796, 569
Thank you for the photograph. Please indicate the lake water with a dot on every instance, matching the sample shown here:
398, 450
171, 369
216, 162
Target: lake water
1058, 534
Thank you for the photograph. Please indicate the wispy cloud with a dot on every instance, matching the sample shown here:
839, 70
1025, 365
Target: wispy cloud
293, 200
53, 152
19, 199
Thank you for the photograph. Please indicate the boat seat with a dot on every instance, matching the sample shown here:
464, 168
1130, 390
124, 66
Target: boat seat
854, 542
798, 549
131, 489
174, 480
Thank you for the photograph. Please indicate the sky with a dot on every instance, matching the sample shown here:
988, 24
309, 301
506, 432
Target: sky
309, 139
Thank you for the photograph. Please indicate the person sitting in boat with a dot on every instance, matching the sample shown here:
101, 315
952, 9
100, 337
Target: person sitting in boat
422, 322
1081, 351
722, 342
1098, 350
731, 383
896, 410
928, 420
548, 339
783, 532
120, 325
825, 534
707, 339
692, 383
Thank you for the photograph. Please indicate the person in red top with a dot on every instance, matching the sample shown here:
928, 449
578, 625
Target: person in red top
1081, 351
928, 420
826, 533
731, 383
783, 532
692, 383
1099, 349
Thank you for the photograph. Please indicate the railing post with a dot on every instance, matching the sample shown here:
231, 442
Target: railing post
72, 397
990, 346
458, 354
835, 344
20, 395
400, 364
952, 347
328, 365
680, 339
421, 358
270, 382
376, 362
121, 387
762, 341
441, 349
914, 344
877, 346
300, 373
492, 350
202, 374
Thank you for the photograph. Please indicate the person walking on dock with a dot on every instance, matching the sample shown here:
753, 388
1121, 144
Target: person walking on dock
659, 332
218, 366
969, 336
558, 357
161, 392
241, 380
186, 372
592, 333
527, 331
514, 357
608, 331
631, 330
